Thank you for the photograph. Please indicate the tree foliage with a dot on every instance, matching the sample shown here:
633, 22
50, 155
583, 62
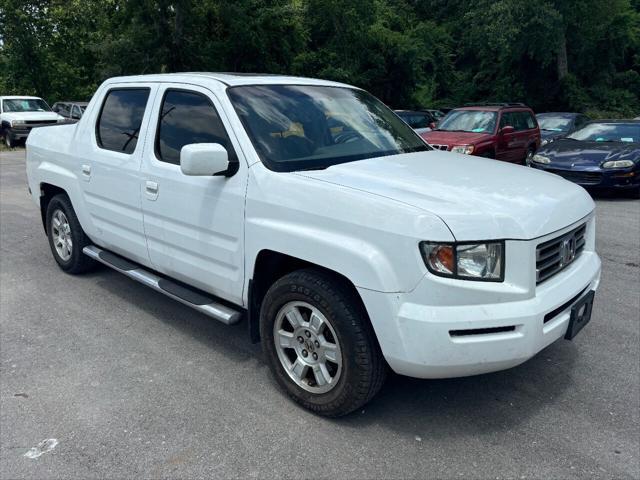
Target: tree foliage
552, 54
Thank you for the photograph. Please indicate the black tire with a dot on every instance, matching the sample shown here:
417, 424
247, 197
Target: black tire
9, 141
363, 366
529, 156
78, 261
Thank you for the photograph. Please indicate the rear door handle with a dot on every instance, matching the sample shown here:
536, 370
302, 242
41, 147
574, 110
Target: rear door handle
151, 190
86, 172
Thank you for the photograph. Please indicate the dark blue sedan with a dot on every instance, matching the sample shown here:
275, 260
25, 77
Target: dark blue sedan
554, 125
602, 154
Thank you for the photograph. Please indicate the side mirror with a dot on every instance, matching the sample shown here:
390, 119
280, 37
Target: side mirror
432, 125
507, 129
203, 159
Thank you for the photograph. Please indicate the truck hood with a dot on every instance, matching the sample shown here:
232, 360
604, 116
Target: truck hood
441, 137
31, 116
478, 198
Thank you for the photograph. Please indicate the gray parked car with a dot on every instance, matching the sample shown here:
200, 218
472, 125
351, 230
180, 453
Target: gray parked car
71, 111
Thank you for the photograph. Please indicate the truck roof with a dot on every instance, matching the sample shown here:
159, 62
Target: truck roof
227, 78
13, 97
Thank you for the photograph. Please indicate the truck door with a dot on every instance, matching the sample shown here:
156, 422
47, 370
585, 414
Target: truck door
194, 224
110, 169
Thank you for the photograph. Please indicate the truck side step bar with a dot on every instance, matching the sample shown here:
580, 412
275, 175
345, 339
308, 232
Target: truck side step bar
200, 301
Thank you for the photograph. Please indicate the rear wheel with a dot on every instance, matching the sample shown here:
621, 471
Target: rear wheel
319, 343
66, 237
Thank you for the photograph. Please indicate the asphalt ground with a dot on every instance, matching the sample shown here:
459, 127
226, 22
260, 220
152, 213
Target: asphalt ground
135, 385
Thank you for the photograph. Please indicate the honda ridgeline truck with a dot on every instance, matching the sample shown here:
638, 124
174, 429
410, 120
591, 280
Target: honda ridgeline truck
311, 210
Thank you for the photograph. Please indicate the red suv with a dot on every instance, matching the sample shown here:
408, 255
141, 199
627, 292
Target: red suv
504, 131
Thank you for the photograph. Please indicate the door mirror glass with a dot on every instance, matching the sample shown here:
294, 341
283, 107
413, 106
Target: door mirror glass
204, 159
507, 129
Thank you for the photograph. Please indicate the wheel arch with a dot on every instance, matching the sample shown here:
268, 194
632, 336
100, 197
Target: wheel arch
47, 192
271, 265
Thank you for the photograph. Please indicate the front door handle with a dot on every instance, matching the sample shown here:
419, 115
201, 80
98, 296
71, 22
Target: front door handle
151, 190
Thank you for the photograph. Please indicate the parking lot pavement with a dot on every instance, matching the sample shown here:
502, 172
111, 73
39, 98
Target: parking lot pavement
132, 384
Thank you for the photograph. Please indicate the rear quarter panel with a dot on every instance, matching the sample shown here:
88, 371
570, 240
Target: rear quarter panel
49, 159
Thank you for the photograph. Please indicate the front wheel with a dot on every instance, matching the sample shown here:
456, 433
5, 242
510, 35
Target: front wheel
529, 158
9, 140
319, 343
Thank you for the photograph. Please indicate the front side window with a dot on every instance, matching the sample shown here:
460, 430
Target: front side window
475, 121
608, 132
120, 120
295, 127
186, 118
25, 105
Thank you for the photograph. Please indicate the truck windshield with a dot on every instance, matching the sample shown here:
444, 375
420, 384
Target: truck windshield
25, 105
296, 127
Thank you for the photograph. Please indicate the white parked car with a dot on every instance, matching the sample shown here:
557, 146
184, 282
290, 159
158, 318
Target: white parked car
18, 115
310, 210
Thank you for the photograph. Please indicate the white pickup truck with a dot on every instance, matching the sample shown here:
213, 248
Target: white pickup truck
309, 209
19, 114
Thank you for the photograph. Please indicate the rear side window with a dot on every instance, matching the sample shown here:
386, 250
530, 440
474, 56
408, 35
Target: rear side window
188, 117
120, 120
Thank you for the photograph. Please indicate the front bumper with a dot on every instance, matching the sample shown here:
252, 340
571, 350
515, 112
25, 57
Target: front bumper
621, 178
417, 340
19, 133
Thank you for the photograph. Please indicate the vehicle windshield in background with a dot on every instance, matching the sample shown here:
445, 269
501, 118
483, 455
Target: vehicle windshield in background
416, 120
608, 132
469, 121
25, 105
297, 127
554, 124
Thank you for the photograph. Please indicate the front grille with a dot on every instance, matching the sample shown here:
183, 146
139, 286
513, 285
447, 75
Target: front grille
582, 178
556, 254
40, 122
439, 146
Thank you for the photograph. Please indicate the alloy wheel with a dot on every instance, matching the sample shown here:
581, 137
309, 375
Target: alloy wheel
307, 347
61, 231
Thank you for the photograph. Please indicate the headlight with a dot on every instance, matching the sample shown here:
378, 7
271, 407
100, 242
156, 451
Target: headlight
466, 149
544, 142
465, 261
17, 122
617, 164
541, 159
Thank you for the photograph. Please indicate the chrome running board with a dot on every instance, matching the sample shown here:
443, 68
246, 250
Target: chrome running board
200, 301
